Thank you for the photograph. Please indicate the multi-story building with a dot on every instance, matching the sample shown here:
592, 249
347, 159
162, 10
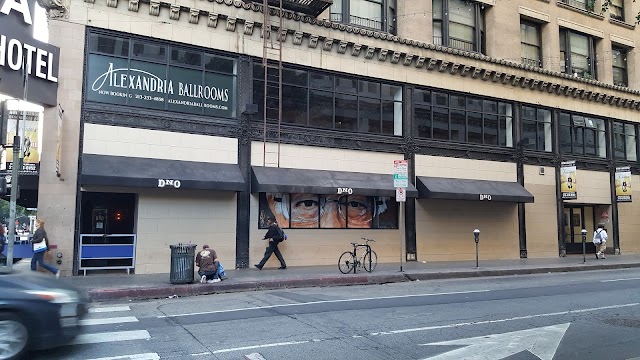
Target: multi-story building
165, 138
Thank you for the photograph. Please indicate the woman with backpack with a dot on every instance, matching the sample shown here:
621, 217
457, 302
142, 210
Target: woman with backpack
275, 236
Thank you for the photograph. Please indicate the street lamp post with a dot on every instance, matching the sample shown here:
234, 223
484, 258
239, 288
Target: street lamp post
476, 235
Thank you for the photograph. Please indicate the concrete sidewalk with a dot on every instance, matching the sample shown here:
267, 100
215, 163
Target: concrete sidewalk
119, 286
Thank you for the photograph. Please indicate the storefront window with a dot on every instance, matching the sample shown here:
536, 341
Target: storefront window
624, 141
582, 135
323, 100
313, 211
443, 116
536, 128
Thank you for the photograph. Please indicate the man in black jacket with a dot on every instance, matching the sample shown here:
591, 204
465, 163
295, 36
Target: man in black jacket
275, 236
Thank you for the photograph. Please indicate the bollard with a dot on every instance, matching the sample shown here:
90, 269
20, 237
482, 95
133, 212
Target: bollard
476, 235
584, 246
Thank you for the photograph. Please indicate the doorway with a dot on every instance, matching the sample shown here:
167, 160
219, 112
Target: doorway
576, 218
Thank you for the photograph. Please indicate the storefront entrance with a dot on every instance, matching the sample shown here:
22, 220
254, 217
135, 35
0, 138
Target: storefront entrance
576, 218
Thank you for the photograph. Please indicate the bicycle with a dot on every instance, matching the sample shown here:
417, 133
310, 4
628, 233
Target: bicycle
349, 260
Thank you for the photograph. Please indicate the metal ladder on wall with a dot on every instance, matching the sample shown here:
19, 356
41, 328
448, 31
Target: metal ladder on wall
272, 66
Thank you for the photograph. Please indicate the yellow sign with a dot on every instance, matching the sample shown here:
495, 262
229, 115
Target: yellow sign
568, 180
623, 184
30, 144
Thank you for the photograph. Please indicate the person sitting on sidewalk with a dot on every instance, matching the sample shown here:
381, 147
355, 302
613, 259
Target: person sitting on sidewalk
206, 262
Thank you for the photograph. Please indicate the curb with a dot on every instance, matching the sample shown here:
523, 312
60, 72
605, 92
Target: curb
168, 290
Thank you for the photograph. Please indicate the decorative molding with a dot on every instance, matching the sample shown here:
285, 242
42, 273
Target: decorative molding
112, 3
174, 12
297, 37
248, 27
495, 77
408, 59
231, 24
282, 35
56, 9
420, 62
622, 23
327, 44
194, 16
154, 7
355, 49
212, 21
454, 68
444, 65
395, 57
466, 69
369, 53
382, 55
342, 47
90, 1
313, 41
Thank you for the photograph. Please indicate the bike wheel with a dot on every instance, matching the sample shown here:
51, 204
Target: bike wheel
345, 264
370, 261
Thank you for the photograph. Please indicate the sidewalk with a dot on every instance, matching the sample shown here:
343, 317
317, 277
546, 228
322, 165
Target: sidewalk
119, 286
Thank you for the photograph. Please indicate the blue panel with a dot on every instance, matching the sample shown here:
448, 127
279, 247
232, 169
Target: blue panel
107, 251
22, 251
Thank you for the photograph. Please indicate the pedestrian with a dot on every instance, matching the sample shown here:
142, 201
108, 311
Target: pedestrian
206, 261
600, 241
275, 236
40, 236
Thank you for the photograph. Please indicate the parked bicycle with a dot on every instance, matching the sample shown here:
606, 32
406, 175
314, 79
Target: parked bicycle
350, 261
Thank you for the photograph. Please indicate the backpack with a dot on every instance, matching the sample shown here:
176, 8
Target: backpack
281, 235
598, 237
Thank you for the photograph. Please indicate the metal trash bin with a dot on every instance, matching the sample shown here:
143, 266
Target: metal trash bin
182, 263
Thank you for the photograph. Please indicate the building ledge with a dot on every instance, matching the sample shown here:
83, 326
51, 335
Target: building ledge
582, 11
622, 23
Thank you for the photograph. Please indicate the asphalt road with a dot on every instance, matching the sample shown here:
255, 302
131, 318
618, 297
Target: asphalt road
586, 315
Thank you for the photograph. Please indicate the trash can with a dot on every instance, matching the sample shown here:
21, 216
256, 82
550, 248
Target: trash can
182, 263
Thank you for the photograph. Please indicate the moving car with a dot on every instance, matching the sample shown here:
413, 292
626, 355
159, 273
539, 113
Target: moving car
37, 312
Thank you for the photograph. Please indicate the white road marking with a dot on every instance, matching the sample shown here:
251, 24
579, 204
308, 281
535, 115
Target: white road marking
320, 302
614, 280
254, 356
542, 342
105, 321
104, 337
147, 356
109, 309
202, 354
502, 320
259, 346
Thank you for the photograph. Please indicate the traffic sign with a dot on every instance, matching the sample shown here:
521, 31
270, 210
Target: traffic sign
401, 194
400, 173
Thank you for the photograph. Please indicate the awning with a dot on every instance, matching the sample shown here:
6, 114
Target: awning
465, 189
159, 173
303, 181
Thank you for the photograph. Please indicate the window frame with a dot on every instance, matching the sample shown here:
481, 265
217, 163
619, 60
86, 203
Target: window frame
538, 27
536, 120
622, 52
625, 135
565, 42
620, 9
479, 31
388, 19
579, 139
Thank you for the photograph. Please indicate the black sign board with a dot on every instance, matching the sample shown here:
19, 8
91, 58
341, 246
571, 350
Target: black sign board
18, 50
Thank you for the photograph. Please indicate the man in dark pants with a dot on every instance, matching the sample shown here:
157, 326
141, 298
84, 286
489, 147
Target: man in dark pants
275, 236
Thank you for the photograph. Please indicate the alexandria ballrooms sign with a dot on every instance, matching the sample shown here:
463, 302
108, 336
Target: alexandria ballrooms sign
19, 51
158, 86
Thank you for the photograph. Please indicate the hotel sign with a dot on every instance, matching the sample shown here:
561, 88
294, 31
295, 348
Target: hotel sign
158, 86
19, 51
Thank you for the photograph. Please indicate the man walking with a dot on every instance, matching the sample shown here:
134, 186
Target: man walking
600, 241
275, 236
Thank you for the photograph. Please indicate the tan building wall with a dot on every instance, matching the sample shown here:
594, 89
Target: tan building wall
541, 215
199, 217
629, 222
122, 141
322, 246
593, 188
444, 228
57, 195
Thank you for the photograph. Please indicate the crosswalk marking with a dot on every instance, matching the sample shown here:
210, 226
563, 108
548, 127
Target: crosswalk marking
95, 338
146, 356
109, 309
105, 321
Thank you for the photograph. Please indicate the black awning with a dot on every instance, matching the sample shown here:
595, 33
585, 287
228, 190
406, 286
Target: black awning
159, 173
465, 189
303, 181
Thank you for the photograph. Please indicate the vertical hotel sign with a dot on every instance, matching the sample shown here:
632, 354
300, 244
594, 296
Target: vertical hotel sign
623, 184
568, 182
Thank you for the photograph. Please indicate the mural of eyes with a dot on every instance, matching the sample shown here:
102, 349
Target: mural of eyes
304, 209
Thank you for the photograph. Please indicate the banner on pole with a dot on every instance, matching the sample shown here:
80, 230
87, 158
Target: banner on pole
568, 183
623, 184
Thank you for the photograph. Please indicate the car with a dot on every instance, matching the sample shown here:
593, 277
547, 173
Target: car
37, 312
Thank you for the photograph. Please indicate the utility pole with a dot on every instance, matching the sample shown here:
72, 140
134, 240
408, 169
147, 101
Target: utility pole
16, 164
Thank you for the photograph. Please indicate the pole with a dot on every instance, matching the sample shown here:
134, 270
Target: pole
584, 246
402, 230
15, 162
477, 263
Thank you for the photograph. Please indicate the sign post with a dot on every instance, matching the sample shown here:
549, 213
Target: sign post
401, 183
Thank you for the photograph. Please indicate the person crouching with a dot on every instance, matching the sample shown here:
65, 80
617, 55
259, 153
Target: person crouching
206, 261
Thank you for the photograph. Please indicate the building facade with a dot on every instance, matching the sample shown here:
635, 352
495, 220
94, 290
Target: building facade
518, 118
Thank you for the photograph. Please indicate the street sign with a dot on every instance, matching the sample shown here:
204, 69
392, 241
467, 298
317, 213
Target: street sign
401, 194
401, 173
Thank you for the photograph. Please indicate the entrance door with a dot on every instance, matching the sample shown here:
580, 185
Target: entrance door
576, 218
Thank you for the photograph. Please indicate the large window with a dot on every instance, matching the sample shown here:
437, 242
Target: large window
577, 54
324, 100
453, 117
619, 60
616, 10
582, 135
624, 141
588, 5
530, 44
313, 211
375, 14
536, 128
459, 24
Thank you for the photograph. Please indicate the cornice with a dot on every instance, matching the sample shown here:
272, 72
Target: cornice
467, 64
